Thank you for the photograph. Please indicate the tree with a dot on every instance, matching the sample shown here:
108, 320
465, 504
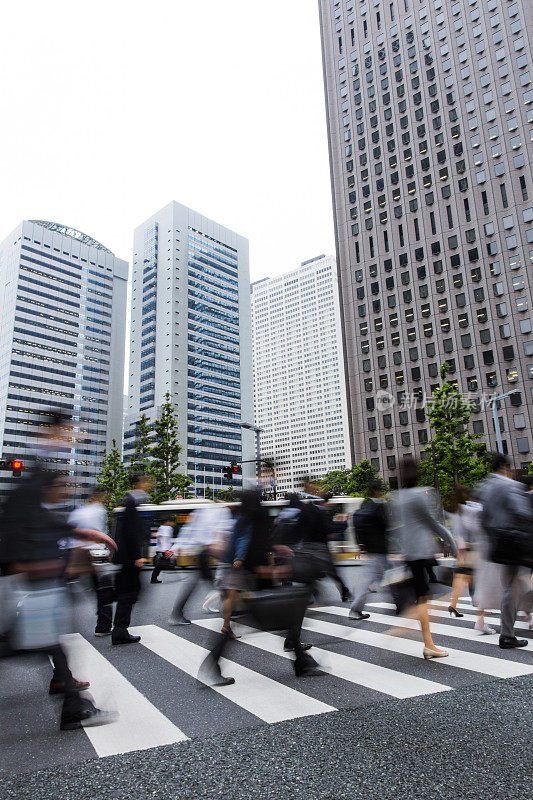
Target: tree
226, 494
165, 456
360, 476
335, 482
113, 477
352, 482
456, 456
141, 455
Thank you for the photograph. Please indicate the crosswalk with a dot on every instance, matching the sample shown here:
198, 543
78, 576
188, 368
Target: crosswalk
362, 663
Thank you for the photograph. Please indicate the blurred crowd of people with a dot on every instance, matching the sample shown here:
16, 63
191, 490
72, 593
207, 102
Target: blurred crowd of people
263, 572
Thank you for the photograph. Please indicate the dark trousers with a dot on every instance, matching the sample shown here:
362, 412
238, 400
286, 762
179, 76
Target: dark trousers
72, 700
159, 562
105, 596
210, 668
127, 588
203, 572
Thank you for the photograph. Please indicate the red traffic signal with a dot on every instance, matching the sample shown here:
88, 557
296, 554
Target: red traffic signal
235, 468
16, 467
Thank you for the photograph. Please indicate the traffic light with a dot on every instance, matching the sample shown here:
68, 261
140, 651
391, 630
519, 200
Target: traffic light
16, 467
228, 473
233, 469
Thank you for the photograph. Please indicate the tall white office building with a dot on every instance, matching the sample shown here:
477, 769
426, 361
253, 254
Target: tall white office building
298, 371
190, 336
63, 311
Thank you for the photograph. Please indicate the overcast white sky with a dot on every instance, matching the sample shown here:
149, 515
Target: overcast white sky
112, 108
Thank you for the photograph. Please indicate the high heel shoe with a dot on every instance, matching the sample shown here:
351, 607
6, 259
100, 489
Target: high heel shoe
454, 611
429, 653
230, 633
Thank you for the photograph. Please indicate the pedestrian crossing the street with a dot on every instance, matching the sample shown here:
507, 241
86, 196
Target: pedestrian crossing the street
361, 663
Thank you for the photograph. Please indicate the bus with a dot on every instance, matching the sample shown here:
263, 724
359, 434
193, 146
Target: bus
343, 544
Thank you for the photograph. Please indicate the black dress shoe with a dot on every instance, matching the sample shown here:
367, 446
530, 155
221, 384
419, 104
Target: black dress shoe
289, 648
346, 595
156, 581
86, 716
509, 642
58, 687
306, 666
124, 637
222, 681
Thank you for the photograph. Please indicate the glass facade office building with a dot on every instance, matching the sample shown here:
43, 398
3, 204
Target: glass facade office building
63, 297
430, 121
191, 337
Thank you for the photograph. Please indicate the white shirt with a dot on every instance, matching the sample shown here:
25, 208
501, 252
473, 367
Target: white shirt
164, 538
92, 516
209, 524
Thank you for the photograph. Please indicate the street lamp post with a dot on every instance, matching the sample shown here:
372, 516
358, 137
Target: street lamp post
496, 418
249, 427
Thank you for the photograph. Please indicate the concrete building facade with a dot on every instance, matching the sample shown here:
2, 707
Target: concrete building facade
63, 311
430, 117
298, 370
190, 336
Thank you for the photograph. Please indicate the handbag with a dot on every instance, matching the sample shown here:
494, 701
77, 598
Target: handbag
277, 609
400, 583
41, 615
512, 547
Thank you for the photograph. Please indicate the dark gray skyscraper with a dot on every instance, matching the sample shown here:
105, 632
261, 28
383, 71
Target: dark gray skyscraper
430, 115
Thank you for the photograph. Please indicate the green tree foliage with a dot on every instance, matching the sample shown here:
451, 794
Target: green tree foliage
460, 458
142, 453
113, 477
360, 476
335, 482
165, 456
352, 482
226, 494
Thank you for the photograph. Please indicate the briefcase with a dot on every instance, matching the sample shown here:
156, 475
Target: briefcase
277, 609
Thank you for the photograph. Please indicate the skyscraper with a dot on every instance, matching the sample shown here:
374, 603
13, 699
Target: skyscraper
299, 384
430, 116
63, 302
190, 336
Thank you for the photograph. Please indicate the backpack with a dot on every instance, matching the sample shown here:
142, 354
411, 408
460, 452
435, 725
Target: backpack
365, 522
287, 527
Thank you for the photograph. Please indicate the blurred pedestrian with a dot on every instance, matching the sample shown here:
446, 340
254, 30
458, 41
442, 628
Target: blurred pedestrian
414, 510
32, 530
315, 527
93, 514
208, 525
370, 523
129, 537
507, 517
470, 557
164, 535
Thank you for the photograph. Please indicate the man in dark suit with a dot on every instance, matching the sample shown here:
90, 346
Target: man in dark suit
129, 540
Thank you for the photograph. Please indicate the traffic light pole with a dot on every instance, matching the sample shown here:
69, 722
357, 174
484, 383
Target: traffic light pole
268, 464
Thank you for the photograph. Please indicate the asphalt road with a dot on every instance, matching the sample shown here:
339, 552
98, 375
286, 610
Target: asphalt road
381, 723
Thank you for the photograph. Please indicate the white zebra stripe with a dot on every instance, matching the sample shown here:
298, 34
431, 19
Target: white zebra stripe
139, 725
372, 676
267, 699
464, 659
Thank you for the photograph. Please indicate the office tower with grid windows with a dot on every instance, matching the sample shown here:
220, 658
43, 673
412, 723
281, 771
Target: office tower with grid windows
63, 297
298, 371
190, 336
430, 119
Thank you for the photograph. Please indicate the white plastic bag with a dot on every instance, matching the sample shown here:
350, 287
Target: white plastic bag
41, 615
